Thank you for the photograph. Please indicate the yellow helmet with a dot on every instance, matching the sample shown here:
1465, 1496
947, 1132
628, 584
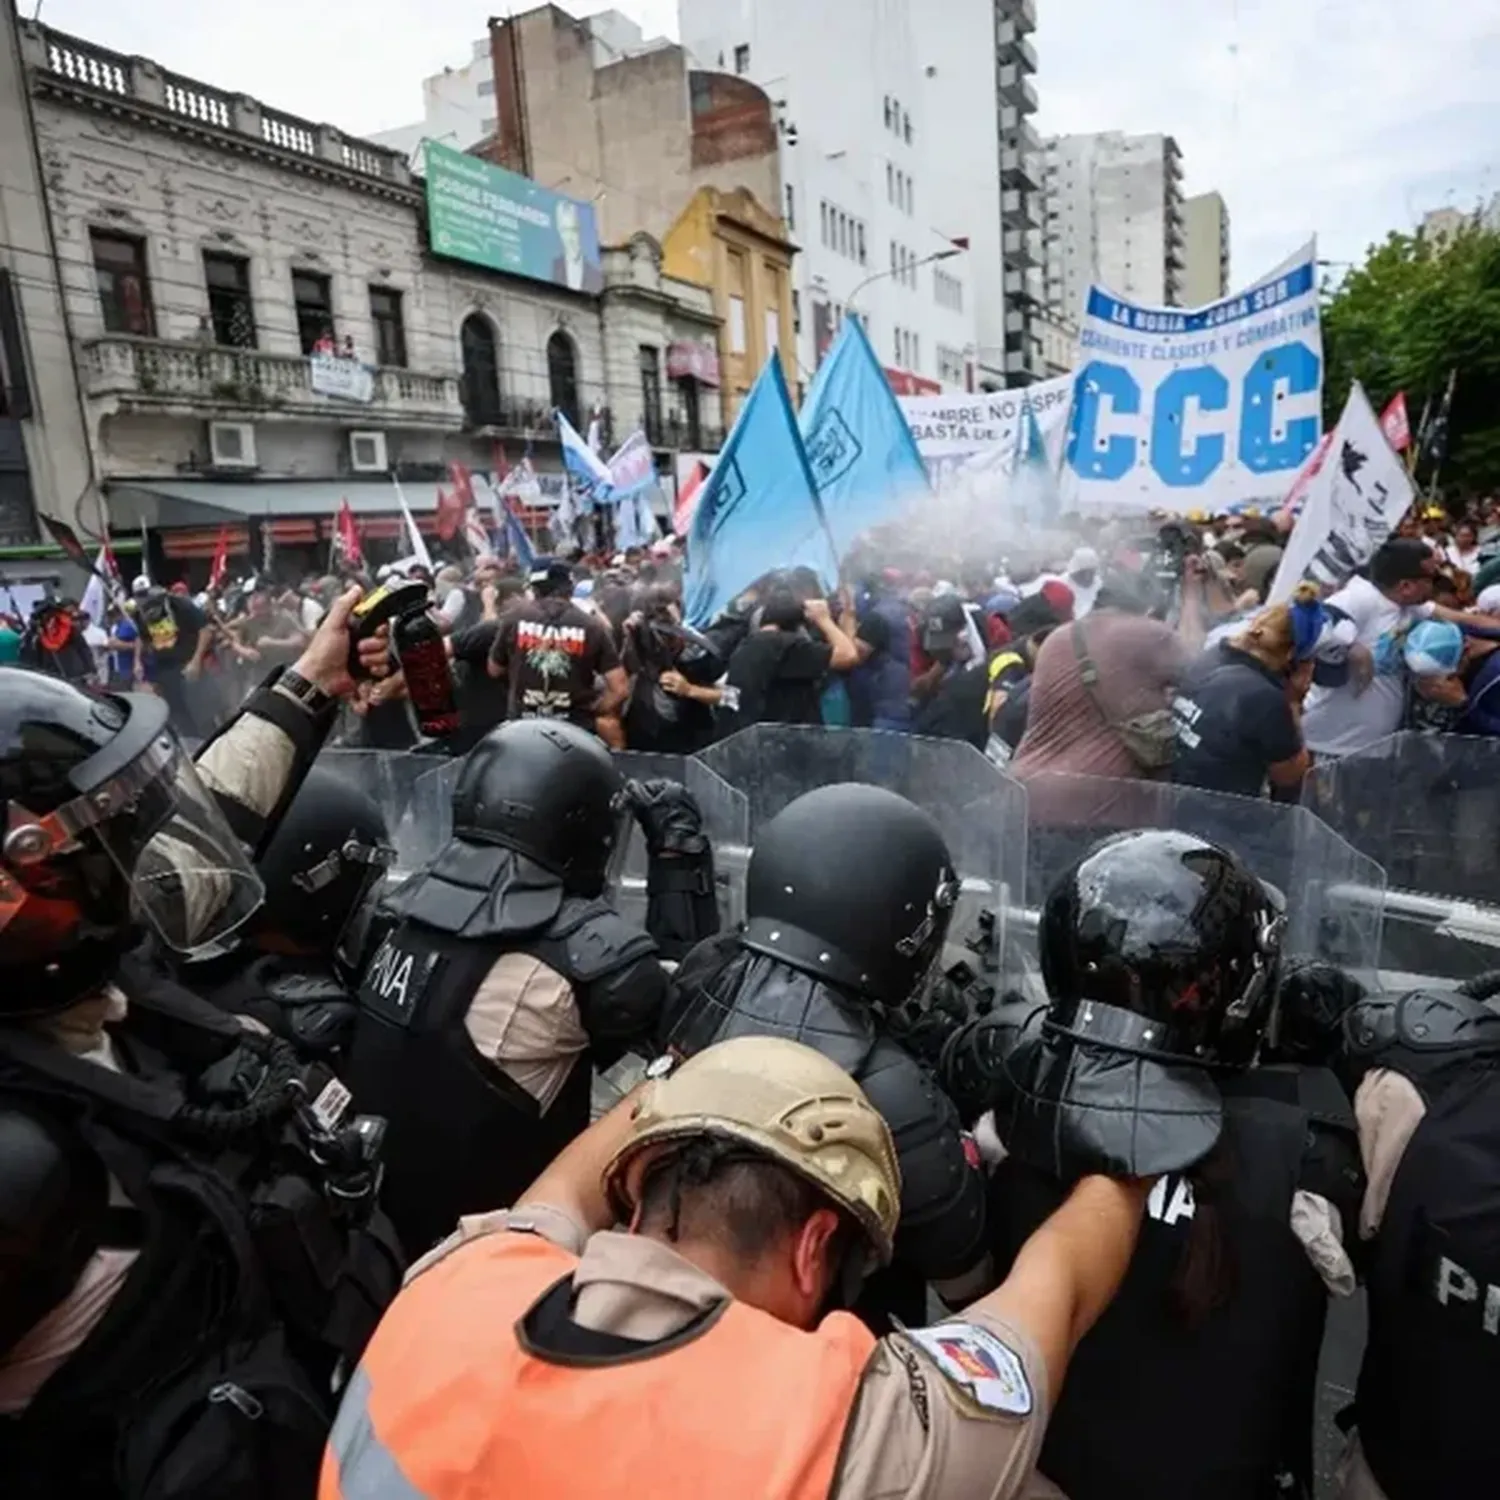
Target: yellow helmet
792, 1104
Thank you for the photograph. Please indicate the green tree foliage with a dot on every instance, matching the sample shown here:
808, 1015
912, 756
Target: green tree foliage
1414, 311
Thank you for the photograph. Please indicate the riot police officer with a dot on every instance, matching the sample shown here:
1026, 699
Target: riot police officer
1160, 955
849, 895
503, 972
188, 1240
298, 958
1428, 1104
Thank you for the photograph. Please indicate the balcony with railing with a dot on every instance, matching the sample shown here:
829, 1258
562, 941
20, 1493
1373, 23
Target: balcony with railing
1020, 210
1019, 168
1020, 13
80, 66
1011, 45
672, 430
154, 374
1017, 88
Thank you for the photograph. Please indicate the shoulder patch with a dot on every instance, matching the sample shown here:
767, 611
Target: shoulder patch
985, 1368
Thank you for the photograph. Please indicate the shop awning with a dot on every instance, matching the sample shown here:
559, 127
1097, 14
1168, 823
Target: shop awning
206, 502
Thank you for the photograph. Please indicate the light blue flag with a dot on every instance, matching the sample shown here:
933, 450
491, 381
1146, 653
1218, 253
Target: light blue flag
861, 450
1034, 494
758, 511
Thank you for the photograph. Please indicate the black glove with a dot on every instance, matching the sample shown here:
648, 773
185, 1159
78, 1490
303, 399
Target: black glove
924, 1026
682, 905
1070, 1107
669, 817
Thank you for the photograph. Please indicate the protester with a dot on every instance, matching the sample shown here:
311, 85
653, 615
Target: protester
880, 686
954, 707
1352, 705
777, 672
1100, 695
557, 661
1239, 706
1463, 551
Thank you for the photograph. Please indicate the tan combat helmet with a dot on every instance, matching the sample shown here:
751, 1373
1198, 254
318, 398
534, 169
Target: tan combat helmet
787, 1101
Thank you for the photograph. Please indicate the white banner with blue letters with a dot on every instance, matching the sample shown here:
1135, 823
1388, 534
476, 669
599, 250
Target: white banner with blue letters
1197, 409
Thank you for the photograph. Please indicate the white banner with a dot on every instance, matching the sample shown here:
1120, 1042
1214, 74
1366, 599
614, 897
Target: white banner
950, 430
1352, 506
1197, 409
347, 379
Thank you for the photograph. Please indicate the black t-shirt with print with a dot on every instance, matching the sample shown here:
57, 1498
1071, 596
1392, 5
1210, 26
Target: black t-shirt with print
1233, 724
553, 654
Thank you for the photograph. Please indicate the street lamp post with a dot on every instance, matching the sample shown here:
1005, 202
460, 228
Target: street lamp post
926, 260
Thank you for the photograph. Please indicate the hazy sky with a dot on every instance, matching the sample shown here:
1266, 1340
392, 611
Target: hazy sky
1344, 117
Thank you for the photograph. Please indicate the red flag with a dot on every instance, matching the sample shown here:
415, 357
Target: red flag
450, 515
218, 569
687, 498
347, 537
1396, 424
463, 483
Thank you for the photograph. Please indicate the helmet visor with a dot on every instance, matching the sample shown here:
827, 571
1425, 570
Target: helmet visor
190, 878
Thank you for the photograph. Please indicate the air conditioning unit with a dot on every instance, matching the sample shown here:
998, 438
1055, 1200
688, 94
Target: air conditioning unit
231, 445
367, 452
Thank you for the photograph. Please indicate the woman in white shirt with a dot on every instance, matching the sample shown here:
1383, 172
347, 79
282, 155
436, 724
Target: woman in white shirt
1463, 550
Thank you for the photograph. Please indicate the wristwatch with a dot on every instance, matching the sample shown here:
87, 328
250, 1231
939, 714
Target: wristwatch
307, 695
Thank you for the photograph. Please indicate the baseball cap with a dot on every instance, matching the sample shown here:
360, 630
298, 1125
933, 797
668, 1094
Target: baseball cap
944, 624
1434, 648
550, 572
1059, 596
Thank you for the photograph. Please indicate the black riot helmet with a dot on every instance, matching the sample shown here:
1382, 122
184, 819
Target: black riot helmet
107, 828
1165, 946
324, 863
546, 789
853, 885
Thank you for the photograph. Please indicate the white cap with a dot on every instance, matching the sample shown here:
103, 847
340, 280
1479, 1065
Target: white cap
1083, 560
140, 584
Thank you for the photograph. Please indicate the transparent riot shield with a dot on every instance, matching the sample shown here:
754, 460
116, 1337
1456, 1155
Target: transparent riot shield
980, 810
1427, 807
725, 822
1335, 895
395, 781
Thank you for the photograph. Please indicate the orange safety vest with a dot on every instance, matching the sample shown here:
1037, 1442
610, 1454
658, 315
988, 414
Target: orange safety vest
447, 1405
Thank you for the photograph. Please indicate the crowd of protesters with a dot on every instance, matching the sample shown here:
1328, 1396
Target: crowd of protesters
1149, 650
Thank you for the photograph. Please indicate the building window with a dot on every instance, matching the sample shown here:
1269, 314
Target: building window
860, 238
888, 110
562, 376
916, 350
948, 290
650, 357
742, 59
124, 288
791, 207
390, 330
796, 311
890, 183
737, 325
230, 309
481, 380
485, 88
823, 217
906, 126
314, 304
900, 349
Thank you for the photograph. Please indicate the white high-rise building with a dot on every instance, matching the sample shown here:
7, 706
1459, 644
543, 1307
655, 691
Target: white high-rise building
1115, 216
892, 149
1206, 277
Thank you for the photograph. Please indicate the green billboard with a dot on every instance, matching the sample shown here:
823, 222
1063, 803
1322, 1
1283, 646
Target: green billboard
490, 217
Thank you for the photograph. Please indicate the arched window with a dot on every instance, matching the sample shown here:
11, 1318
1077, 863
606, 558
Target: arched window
562, 375
481, 359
